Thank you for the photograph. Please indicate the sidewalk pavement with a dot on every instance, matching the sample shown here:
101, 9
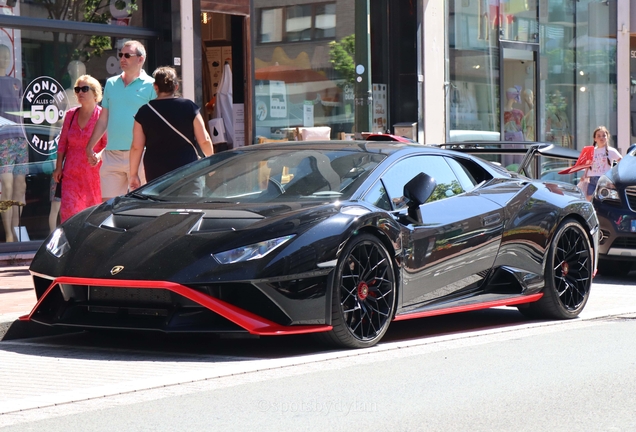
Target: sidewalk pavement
17, 295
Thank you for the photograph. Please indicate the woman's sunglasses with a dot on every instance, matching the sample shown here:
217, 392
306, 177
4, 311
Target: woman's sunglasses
83, 89
127, 55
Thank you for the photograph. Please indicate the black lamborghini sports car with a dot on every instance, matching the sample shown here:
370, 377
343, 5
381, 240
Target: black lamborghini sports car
333, 238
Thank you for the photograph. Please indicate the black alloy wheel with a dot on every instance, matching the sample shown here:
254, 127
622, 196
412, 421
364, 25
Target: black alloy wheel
364, 294
568, 275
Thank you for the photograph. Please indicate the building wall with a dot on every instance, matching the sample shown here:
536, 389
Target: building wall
433, 114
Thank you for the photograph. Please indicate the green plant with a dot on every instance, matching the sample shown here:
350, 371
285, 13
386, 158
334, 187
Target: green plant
71, 46
341, 55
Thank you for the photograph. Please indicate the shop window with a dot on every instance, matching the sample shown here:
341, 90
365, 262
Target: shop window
297, 23
474, 69
577, 70
37, 76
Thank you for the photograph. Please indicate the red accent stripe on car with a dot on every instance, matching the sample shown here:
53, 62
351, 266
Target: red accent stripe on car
254, 324
471, 307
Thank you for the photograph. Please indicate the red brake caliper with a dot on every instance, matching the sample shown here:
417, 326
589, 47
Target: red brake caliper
363, 290
565, 268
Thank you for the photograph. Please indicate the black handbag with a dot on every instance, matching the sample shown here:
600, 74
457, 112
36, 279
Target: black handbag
58, 189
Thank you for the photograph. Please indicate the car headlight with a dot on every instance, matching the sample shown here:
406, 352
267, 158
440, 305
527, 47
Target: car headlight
58, 245
250, 252
605, 190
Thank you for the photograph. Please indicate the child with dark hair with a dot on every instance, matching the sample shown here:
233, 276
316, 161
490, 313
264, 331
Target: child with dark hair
602, 160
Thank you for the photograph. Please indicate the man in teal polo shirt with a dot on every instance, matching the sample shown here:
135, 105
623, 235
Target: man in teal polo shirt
123, 95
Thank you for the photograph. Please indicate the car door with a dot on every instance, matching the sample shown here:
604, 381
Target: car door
456, 243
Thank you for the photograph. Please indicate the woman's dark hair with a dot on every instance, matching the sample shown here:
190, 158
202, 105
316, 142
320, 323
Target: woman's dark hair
609, 137
165, 79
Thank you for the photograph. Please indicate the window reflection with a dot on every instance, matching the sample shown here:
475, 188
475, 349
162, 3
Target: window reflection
326, 21
303, 74
271, 25
298, 23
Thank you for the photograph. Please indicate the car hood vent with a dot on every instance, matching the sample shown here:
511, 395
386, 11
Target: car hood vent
211, 220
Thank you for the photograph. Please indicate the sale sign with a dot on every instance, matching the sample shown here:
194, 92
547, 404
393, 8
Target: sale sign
44, 103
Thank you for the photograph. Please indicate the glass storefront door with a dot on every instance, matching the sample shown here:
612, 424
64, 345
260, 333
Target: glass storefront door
518, 93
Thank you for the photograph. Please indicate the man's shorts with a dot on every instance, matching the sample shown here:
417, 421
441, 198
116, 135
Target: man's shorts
115, 171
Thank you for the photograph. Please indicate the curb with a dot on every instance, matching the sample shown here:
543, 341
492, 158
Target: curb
6, 321
13, 259
16, 259
17, 329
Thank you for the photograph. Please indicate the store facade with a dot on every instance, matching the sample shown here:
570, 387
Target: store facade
334, 67
546, 70
542, 70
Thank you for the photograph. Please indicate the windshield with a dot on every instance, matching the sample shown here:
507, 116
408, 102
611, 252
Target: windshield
266, 175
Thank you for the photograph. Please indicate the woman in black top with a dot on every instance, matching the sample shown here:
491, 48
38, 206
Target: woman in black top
167, 127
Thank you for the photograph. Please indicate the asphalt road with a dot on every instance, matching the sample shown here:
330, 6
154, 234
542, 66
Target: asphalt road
578, 376
484, 370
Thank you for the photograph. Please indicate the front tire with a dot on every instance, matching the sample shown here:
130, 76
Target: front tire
363, 294
568, 275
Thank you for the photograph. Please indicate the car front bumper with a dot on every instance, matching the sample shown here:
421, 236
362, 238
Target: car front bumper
176, 308
617, 232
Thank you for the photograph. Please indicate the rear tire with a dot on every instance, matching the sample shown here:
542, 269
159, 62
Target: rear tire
363, 294
568, 275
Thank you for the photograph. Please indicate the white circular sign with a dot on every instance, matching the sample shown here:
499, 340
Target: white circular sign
120, 8
44, 104
112, 66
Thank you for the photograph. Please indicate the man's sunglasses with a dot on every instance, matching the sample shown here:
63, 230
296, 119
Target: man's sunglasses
127, 55
83, 89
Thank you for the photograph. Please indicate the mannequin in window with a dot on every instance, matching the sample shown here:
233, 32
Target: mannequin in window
75, 70
529, 119
557, 123
513, 116
14, 155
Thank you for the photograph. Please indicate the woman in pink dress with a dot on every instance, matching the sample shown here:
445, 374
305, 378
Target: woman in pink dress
81, 187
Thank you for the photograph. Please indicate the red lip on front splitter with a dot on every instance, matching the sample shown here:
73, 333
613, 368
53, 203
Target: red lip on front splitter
252, 323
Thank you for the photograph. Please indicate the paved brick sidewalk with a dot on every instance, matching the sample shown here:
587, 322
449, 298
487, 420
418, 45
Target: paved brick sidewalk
17, 296
16, 290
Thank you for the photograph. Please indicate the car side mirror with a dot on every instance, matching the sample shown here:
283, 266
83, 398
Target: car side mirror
417, 191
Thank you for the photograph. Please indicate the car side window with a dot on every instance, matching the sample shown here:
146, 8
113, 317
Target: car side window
378, 197
468, 173
401, 172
